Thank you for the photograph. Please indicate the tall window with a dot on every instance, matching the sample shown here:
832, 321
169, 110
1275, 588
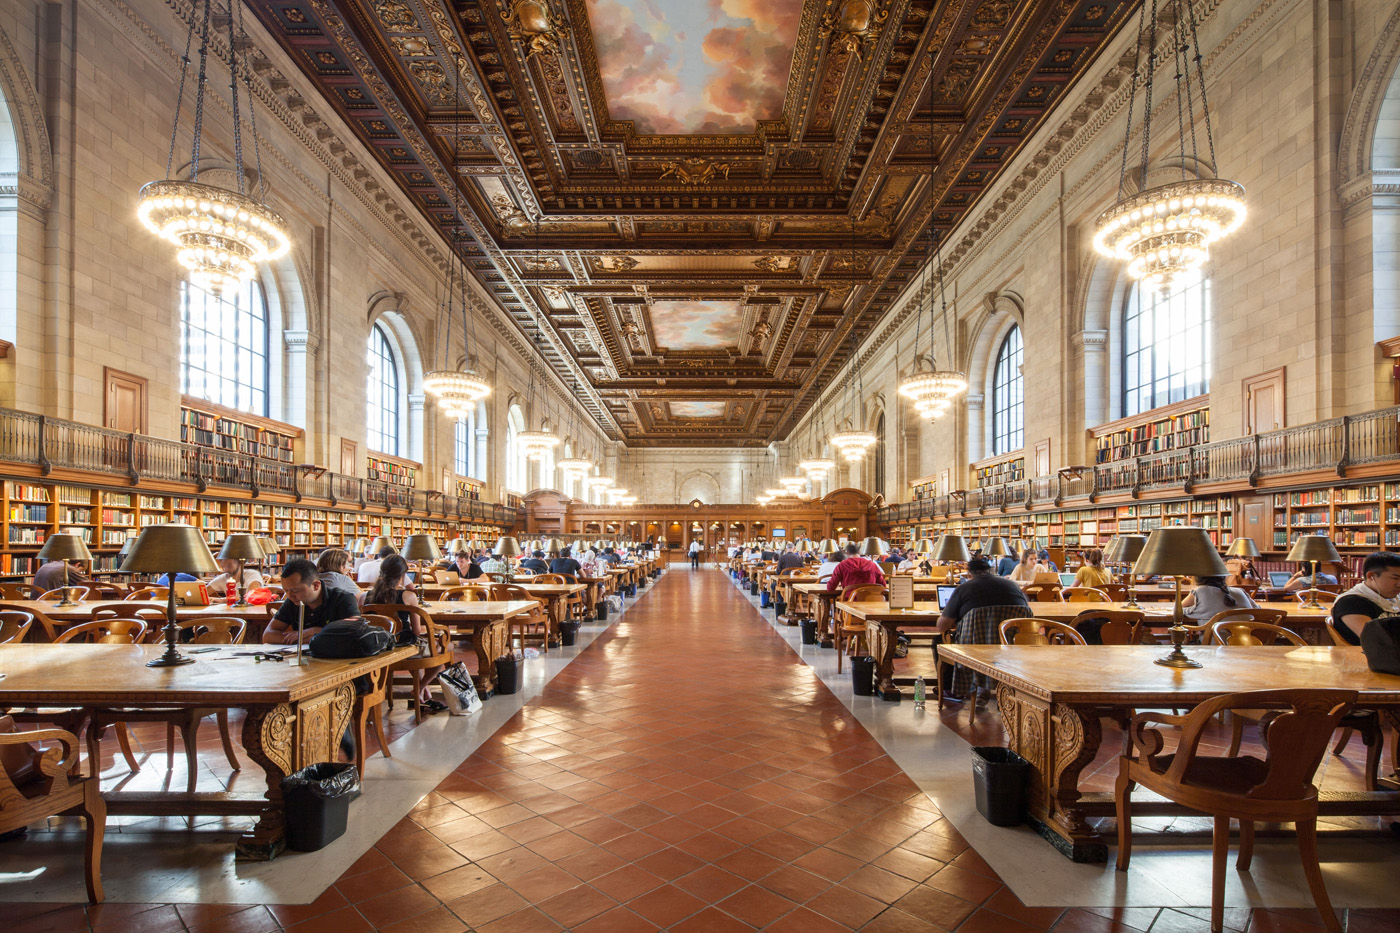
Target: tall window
1166, 346
517, 466
878, 488
223, 346
1008, 397
382, 395
464, 443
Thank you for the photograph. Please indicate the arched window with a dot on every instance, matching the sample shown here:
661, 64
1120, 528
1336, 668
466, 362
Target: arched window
464, 444
224, 346
382, 395
1008, 396
1166, 345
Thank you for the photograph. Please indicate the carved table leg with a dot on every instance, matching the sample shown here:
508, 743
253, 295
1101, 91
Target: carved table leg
824, 622
882, 639
491, 641
268, 740
554, 607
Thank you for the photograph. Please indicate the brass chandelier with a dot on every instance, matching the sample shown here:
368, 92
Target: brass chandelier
1165, 233
220, 235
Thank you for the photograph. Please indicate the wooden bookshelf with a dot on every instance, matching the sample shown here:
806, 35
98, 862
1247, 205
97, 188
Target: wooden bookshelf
1171, 427
995, 471
923, 488
468, 488
209, 425
394, 471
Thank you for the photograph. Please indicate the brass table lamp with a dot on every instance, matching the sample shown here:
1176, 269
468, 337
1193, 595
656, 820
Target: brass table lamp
270, 548
952, 548
379, 543
1313, 549
1246, 550
170, 549
1124, 550
872, 546
996, 547
242, 548
458, 543
829, 546
508, 547
421, 548
1179, 551
65, 547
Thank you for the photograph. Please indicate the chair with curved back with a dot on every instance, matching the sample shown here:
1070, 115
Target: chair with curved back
1042, 592
1084, 594
1276, 789
148, 593
104, 631
532, 626
1117, 592
1345, 733
461, 593
848, 630
439, 642
212, 630
493, 577
78, 593
1032, 631
14, 626
153, 617
19, 591
555, 579
369, 706
1115, 626
43, 630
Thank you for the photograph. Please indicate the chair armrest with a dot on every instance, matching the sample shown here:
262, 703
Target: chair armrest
1149, 742
41, 757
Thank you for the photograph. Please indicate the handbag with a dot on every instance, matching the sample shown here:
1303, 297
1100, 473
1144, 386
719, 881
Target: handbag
1380, 640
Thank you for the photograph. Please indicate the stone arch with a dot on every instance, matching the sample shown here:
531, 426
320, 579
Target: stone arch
1002, 311
1375, 91
698, 484
25, 155
386, 310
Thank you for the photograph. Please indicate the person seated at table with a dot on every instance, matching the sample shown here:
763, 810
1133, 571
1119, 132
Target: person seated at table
565, 563
767, 555
368, 571
907, 563
1093, 572
1009, 561
393, 588
1210, 595
309, 600
179, 578
982, 589
1372, 598
331, 566
1303, 580
1024, 572
252, 579
828, 565
467, 569
609, 556
1050, 565
790, 559
535, 563
51, 575
854, 570
494, 564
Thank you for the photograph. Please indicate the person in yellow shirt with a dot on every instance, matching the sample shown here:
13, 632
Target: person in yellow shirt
1092, 573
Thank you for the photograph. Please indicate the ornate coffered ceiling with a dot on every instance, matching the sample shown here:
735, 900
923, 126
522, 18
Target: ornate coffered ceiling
694, 206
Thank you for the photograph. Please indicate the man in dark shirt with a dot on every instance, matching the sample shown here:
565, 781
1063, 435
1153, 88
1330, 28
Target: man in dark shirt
1374, 597
768, 553
983, 588
535, 563
790, 559
323, 605
609, 556
565, 563
467, 569
51, 575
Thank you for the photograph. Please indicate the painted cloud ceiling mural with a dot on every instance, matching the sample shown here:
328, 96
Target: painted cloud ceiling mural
695, 325
694, 66
697, 409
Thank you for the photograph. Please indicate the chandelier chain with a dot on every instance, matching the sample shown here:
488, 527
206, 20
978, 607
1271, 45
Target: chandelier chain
252, 117
1177, 56
1147, 99
1132, 96
1201, 80
179, 103
200, 81
233, 96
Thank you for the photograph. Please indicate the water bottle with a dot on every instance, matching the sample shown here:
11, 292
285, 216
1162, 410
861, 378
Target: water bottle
919, 692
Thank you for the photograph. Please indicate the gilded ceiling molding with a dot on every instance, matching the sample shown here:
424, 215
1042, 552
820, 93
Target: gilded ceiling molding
530, 23
34, 182
853, 24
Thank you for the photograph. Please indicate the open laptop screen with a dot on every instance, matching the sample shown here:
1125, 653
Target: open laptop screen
1066, 579
1279, 578
945, 593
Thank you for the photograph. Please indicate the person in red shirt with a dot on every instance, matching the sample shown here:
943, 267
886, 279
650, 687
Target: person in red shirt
854, 570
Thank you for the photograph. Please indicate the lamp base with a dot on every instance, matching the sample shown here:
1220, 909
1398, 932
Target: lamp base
1178, 660
171, 658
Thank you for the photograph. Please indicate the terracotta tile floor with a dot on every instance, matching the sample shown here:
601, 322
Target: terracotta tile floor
685, 772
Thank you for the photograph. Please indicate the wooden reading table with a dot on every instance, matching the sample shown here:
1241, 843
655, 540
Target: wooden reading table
295, 716
488, 623
1052, 697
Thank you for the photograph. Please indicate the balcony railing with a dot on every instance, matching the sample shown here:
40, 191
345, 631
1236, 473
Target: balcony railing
1333, 445
52, 443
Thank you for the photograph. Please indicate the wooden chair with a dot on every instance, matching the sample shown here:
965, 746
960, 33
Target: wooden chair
551, 578
493, 577
1276, 789
80, 593
14, 626
153, 617
1031, 631
532, 626
36, 784
1118, 592
43, 630
439, 655
107, 631
1120, 626
204, 631
1084, 594
19, 591
1345, 733
149, 592
369, 706
462, 594
847, 630
1042, 592
575, 606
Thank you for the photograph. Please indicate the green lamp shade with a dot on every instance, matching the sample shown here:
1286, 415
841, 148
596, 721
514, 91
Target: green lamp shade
242, 547
420, 547
952, 547
63, 546
172, 548
1180, 551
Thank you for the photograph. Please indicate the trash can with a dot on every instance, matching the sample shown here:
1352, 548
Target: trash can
763, 599
863, 676
568, 634
507, 674
809, 631
603, 610
999, 781
318, 804
753, 587
779, 607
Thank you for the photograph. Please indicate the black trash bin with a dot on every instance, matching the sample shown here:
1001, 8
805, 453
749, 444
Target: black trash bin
318, 804
507, 674
568, 634
999, 781
809, 631
863, 676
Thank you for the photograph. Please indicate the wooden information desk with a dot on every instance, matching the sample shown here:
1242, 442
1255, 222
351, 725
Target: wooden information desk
1052, 697
295, 716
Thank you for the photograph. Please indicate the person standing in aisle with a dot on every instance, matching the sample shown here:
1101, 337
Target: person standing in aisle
695, 554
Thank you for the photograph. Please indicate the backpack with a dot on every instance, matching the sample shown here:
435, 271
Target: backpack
350, 638
1380, 640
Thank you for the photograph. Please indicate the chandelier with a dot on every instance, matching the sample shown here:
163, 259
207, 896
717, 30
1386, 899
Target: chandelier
1165, 233
536, 444
852, 443
931, 389
793, 484
456, 392
574, 467
220, 235
598, 482
816, 468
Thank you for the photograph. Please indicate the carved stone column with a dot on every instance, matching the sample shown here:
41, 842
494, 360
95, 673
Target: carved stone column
976, 433
1091, 360
299, 367
417, 428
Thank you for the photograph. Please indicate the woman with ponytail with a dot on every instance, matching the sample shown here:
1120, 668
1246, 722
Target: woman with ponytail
1211, 595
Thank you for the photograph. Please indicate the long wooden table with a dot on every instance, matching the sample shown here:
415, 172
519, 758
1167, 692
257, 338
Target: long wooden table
295, 715
488, 622
1051, 699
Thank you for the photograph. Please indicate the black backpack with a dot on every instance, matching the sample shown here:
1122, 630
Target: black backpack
350, 638
1380, 639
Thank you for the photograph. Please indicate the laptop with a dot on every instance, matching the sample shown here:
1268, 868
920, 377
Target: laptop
945, 593
191, 594
449, 578
1045, 576
1278, 579
1066, 579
